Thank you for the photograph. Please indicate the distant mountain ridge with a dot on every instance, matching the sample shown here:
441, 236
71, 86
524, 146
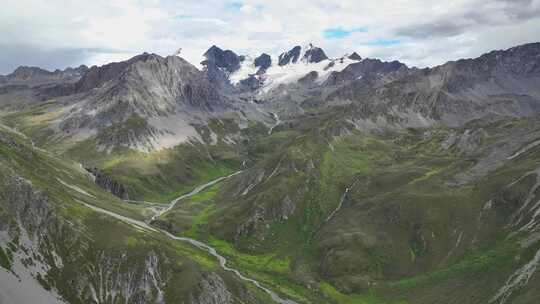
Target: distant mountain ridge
170, 91
34, 76
266, 71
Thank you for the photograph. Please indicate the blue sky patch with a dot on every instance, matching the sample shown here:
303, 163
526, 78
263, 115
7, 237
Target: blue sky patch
384, 42
235, 6
338, 32
183, 17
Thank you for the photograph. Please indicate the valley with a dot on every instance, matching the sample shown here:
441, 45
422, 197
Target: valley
295, 178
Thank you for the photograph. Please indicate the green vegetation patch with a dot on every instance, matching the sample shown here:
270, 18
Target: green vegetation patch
159, 176
4, 259
263, 262
478, 261
336, 296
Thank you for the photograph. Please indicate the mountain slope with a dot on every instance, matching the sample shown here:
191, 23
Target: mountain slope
497, 84
384, 215
53, 245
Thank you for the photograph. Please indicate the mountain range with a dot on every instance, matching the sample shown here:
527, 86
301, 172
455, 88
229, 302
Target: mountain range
324, 180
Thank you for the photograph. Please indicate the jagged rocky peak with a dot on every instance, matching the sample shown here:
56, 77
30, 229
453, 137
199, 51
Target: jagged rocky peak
121, 101
26, 72
523, 59
314, 54
225, 59
35, 76
355, 56
291, 56
366, 67
152, 82
80, 70
98, 75
264, 61
307, 54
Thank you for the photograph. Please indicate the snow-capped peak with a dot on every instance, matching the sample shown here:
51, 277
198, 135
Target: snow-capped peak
290, 66
313, 54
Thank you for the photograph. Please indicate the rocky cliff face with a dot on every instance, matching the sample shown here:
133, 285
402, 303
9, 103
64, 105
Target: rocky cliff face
44, 247
290, 56
314, 55
263, 62
107, 183
308, 54
498, 84
212, 290
366, 68
355, 56
225, 59
219, 64
143, 89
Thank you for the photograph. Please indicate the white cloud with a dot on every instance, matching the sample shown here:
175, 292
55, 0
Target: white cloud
430, 32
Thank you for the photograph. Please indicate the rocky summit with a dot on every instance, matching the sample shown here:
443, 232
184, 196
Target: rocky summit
272, 178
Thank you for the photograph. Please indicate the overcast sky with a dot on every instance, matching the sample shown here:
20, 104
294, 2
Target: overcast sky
60, 33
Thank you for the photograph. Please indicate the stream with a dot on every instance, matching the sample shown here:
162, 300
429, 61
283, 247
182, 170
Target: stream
277, 123
341, 201
205, 247
196, 190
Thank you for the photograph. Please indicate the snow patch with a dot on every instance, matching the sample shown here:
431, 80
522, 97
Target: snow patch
276, 75
247, 68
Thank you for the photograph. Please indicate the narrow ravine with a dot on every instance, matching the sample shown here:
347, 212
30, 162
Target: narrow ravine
277, 123
205, 247
525, 149
341, 201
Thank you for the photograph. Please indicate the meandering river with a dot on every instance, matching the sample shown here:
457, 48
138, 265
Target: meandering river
203, 246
